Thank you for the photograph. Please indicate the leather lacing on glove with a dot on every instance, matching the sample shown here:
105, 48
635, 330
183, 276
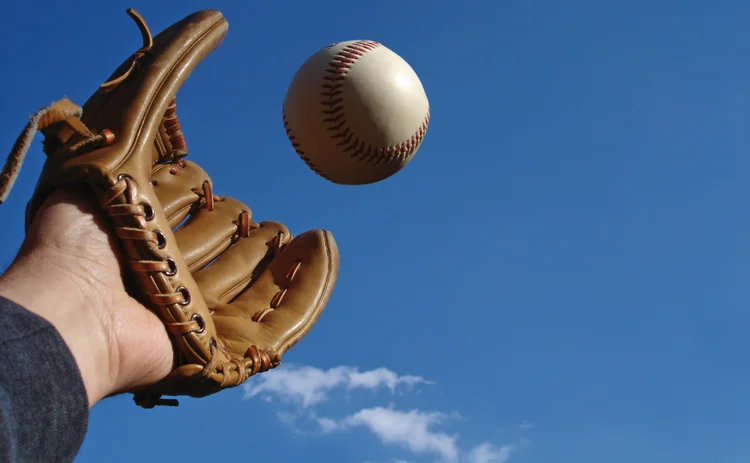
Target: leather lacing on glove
66, 135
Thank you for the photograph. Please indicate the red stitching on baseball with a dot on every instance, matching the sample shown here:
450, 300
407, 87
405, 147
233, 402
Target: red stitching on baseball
301, 153
335, 116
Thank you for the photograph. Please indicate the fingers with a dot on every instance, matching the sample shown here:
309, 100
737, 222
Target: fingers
175, 187
240, 265
209, 232
285, 301
262, 287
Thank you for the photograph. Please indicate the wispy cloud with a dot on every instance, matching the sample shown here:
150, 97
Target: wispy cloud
309, 386
526, 425
414, 430
410, 429
489, 453
417, 431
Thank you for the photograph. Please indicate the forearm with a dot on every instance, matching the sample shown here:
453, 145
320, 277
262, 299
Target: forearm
43, 401
56, 295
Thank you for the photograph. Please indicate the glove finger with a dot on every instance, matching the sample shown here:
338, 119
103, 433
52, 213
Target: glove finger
175, 188
239, 266
285, 301
210, 231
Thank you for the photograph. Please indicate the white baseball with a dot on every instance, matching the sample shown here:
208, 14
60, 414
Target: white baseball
356, 112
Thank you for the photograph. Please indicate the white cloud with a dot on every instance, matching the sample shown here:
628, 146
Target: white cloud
414, 430
328, 425
309, 386
382, 377
489, 453
409, 429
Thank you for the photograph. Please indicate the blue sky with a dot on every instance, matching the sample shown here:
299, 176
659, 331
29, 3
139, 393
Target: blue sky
558, 276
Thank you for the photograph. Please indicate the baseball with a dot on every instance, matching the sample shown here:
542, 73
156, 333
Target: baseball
356, 112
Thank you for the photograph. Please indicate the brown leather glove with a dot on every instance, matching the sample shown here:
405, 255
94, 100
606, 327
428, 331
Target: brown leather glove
233, 294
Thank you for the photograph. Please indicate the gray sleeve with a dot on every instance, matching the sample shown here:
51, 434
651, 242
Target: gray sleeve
44, 409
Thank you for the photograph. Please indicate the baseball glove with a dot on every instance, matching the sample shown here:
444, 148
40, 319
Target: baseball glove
233, 294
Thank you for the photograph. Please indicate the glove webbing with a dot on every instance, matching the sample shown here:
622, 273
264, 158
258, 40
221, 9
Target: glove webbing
62, 119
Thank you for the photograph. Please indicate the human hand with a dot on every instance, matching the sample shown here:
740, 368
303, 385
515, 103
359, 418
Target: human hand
68, 271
